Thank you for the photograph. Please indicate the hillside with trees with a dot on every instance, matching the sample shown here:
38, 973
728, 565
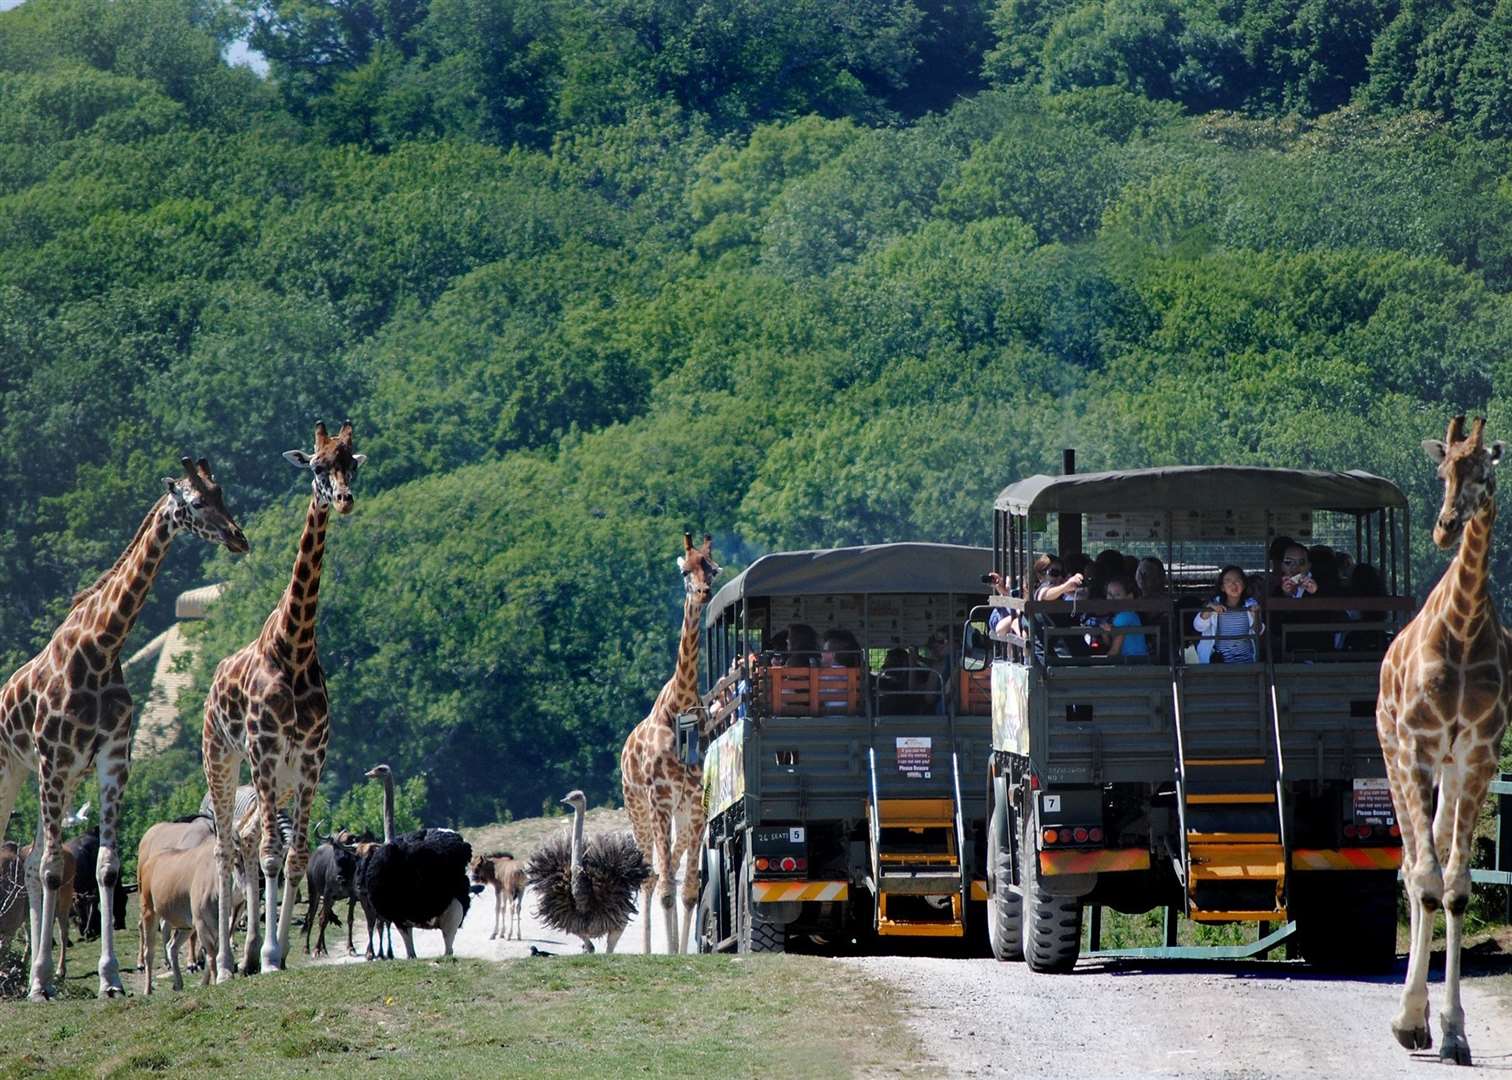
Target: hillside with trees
799, 273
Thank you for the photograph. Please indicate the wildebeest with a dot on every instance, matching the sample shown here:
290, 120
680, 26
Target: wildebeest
330, 877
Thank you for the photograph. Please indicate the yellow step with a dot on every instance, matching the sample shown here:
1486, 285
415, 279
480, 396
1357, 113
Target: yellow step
1195, 839
1278, 915
916, 813
1253, 798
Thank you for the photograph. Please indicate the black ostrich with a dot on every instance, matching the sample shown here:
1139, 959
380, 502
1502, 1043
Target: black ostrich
415, 880
587, 889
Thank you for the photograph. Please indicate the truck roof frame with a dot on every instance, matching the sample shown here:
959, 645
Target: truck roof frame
1201, 487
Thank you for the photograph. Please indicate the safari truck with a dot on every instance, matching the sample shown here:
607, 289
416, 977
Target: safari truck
1237, 792
839, 733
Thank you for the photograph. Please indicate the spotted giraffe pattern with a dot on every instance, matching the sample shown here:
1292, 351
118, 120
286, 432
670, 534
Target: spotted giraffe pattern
663, 794
67, 709
267, 706
1446, 690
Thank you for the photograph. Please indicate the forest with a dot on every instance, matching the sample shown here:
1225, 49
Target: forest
797, 273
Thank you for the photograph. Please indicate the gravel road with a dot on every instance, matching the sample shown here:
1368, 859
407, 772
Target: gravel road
1243, 1021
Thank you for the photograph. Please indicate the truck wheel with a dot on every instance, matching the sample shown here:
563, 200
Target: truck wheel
1005, 911
1052, 924
757, 935
1347, 920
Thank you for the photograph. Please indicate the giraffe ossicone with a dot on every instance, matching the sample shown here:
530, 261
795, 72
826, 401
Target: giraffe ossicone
67, 709
267, 706
1445, 696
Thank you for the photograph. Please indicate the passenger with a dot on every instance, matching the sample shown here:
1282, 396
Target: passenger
1274, 557
1007, 618
1052, 583
1324, 570
777, 647
895, 685
938, 657
1365, 582
1297, 581
1150, 583
1254, 587
1344, 562
1107, 566
840, 653
1132, 646
1229, 623
1131, 567
803, 646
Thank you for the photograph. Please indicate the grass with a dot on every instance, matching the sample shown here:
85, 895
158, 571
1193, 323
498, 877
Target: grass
557, 1017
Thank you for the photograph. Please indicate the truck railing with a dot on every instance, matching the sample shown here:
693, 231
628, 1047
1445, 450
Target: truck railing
1181, 803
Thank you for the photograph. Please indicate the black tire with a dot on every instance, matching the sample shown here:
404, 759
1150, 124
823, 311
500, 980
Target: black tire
1005, 911
1052, 925
1347, 920
757, 935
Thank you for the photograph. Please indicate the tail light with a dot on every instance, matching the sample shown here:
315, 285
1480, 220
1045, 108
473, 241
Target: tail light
1095, 834
1396, 830
1365, 831
763, 863
1079, 834
1051, 836
1350, 832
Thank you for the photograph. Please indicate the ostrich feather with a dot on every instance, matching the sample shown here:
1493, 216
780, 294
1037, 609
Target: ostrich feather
613, 870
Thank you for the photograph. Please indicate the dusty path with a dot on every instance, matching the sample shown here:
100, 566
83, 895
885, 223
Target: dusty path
1249, 1021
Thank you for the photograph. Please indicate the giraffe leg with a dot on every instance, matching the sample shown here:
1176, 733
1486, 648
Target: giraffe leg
220, 776
666, 883
690, 843
44, 874
1463, 790
638, 806
298, 858
111, 768
1425, 889
271, 860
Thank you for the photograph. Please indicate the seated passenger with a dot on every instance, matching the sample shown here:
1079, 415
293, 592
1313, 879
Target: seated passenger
938, 656
1051, 583
1297, 581
802, 646
1229, 623
895, 685
840, 652
1364, 581
1006, 618
1133, 646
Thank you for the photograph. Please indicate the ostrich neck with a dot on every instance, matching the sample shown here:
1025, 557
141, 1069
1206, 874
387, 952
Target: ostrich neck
388, 809
577, 842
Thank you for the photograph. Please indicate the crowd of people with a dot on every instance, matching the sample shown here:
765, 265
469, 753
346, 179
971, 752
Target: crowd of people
1227, 623
911, 680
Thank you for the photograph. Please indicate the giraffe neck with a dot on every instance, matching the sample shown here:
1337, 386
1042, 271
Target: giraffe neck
1467, 581
681, 691
109, 610
290, 629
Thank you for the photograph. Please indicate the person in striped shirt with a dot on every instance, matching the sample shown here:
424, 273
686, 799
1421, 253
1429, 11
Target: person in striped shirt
1229, 623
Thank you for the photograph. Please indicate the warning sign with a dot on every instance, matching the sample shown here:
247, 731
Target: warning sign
915, 756
1372, 803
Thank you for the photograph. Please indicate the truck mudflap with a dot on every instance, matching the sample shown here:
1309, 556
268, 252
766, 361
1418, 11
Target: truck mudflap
1093, 862
1355, 858
773, 892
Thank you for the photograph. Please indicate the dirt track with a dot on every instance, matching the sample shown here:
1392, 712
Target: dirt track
1237, 1020
1252, 1020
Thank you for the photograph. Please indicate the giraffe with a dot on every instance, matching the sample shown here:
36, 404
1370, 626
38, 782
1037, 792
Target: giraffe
661, 791
267, 706
1446, 688
68, 708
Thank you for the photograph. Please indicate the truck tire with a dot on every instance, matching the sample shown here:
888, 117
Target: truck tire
757, 935
1005, 911
1347, 920
1052, 924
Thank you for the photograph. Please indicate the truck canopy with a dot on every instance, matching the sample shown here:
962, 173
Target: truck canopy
1201, 487
875, 568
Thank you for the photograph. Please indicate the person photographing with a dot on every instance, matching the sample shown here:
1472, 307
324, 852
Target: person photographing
1229, 623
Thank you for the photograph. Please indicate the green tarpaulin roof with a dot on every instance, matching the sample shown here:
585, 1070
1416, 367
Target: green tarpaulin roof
877, 568
1200, 487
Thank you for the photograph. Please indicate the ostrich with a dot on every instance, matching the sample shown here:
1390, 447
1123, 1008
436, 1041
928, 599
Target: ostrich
587, 889
418, 879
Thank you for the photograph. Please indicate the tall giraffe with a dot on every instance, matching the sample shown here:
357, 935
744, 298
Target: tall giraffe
67, 708
267, 705
1446, 688
661, 791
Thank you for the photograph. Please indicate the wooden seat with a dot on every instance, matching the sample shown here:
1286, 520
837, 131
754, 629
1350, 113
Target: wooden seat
815, 691
974, 692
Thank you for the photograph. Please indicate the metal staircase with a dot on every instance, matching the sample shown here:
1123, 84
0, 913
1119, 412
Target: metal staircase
1228, 782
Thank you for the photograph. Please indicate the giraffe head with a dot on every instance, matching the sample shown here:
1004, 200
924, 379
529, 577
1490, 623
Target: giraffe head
698, 568
195, 504
1468, 469
333, 465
